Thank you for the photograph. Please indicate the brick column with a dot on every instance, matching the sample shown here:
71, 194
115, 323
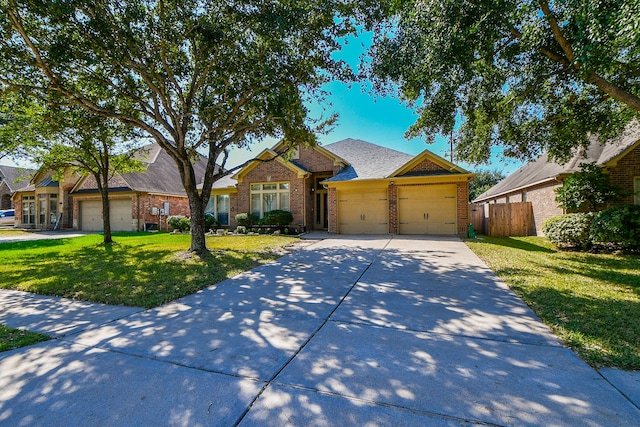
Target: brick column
393, 209
333, 210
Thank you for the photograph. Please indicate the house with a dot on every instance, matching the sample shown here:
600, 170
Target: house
138, 200
536, 181
11, 179
349, 187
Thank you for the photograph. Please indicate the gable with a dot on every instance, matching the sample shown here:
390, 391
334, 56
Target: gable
269, 159
88, 182
428, 163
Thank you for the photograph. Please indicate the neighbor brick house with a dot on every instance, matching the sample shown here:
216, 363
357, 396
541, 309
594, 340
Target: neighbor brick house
537, 181
350, 187
11, 179
138, 200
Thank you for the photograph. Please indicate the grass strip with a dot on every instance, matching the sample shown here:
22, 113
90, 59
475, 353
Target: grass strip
591, 301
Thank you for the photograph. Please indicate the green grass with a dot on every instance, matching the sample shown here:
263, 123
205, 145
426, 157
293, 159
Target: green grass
141, 269
15, 338
591, 301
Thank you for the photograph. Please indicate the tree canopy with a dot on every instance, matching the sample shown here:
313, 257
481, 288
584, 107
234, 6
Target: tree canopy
527, 76
588, 189
192, 75
484, 180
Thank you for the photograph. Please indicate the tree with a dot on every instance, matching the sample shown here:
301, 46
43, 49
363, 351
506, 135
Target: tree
88, 144
529, 76
589, 189
484, 180
192, 75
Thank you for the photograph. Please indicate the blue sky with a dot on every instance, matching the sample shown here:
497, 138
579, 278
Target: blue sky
366, 116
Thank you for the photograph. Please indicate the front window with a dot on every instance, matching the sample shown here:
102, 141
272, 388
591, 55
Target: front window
218, 206
28, 210
53, 208
269, 197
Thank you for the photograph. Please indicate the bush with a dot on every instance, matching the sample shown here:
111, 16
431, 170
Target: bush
179, 222
570, 230
278, 217
247, 219
618, 226
209, 221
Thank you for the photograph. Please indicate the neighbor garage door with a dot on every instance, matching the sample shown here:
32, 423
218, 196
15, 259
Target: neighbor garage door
120, 214
429, 209
363, 212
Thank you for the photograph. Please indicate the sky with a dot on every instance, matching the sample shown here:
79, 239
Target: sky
366, 116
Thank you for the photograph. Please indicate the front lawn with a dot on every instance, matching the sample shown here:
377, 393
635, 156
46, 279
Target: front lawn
15, 338
10, 232
591, 301
141, 269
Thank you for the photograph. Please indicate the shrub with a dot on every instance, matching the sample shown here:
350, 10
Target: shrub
247, 219
209, 221
179, 222
618, 226
277, 217
570, 230
241, 229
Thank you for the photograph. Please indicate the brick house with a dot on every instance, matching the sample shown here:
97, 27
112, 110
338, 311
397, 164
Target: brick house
536, 181
138, 200
11, 179
350, 187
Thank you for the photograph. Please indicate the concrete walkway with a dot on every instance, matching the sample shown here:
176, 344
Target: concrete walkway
366, 331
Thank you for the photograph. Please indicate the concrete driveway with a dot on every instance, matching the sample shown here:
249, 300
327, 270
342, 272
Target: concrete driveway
347, 331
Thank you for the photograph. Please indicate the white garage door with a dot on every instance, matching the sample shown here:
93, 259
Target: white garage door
363, 212
120, 215
429, 209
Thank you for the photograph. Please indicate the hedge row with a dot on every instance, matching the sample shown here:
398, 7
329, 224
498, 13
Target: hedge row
615, 228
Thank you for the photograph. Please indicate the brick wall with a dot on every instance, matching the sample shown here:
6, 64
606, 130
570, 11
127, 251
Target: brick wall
392, 198
273, 171
333, 210
427, 166
313, 161
624, 174
462, 190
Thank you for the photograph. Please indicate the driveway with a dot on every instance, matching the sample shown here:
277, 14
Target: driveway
347, 331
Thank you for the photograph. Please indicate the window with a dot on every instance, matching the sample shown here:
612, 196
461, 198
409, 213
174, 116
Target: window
53, 208
524, 196
636, 189
269, 197
28, 210
218, 206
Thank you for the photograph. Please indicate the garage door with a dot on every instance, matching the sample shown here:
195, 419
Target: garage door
363, 212
120, 214
430, 209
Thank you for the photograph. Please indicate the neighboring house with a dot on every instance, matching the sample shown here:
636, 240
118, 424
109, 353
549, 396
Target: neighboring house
137, 200
536, 181
350, 187
11, 179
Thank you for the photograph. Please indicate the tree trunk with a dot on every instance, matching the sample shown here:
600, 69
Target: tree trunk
106, 215
198, 241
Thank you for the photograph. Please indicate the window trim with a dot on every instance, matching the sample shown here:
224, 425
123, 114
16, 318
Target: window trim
278, 191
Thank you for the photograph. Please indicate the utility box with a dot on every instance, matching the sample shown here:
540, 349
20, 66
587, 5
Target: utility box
166, 208
154, 210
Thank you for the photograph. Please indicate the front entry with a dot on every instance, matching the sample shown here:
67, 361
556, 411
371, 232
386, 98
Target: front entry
322, 210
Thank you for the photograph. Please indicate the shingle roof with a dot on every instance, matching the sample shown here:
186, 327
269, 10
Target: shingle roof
367, 160
162, 175
542, 170
15, 178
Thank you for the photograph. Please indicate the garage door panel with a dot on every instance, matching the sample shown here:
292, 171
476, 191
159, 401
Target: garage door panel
119, 214
427, 209
363, 212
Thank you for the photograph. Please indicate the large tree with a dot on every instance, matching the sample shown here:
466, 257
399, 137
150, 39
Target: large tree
191, 74
525, 75
88, 144
483, 181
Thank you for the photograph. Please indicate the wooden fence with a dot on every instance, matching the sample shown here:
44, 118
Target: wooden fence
502, 219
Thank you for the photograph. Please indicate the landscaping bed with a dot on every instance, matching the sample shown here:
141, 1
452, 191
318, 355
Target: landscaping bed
591, 301
140, 269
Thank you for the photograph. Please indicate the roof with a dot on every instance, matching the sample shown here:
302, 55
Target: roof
161, 175
366, 160
542, 170
15, 178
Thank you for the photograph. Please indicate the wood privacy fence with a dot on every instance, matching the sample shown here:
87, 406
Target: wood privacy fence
502, 219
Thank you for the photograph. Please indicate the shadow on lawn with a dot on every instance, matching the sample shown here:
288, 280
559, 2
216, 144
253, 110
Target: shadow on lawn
516, 244
125, 274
